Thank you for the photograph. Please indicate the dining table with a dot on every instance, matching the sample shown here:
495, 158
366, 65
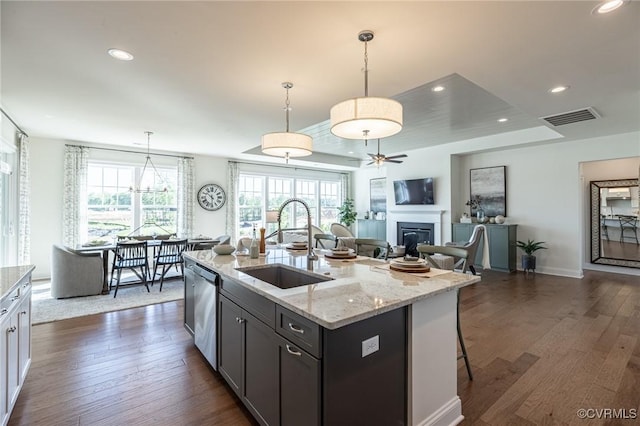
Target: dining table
106, 247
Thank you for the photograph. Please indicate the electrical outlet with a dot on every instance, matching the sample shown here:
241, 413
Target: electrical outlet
370, 345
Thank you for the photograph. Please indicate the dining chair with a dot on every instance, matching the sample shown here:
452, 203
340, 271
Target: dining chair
132, 256
426, 251
340, 230
471, 246
169, 254
629, 224
223, 239
370, 247
75, 273
325, 241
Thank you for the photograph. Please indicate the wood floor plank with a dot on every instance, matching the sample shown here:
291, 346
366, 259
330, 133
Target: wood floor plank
615, 365
540, 348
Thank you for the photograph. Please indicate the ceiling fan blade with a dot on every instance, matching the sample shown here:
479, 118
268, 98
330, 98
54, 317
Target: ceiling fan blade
398, 156
372, 155
368, 164
392, 161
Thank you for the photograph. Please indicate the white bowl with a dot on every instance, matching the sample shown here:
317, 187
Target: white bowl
224, 249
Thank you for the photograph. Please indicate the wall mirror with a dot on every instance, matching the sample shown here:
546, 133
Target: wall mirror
615, 237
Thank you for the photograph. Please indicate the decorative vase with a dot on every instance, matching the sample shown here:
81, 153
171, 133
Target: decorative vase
480, 215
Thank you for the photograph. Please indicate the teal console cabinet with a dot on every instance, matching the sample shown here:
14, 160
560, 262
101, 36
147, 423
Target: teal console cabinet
502, 244
376, 229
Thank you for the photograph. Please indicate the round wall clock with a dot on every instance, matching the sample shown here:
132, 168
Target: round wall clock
211, 197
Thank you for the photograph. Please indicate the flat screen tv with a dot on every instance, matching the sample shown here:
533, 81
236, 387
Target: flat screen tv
414, 191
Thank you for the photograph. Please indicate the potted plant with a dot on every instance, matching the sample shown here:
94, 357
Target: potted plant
530, 247
346, 213
475, 204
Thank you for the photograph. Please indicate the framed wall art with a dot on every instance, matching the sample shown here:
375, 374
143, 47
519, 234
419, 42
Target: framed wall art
378, 195
489, 185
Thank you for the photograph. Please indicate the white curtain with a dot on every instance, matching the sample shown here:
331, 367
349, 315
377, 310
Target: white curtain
24, 214
232, 201
74, 212
344, 186
186, 197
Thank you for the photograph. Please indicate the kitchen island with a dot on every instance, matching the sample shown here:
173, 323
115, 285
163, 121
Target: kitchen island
351, 330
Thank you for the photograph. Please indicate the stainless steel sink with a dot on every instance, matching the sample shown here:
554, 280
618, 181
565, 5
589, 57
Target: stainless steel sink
283, 276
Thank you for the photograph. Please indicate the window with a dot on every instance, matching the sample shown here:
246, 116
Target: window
114, 209
259, 193
8, 204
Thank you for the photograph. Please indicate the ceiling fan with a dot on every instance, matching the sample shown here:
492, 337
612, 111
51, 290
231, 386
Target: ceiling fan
378, 159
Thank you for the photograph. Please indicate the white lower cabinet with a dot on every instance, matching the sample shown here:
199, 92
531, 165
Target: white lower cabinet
15, 345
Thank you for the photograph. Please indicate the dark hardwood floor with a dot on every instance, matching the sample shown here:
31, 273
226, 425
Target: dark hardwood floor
541, 347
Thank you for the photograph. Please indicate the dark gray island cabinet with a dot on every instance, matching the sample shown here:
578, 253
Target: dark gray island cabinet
290, 371
351, 343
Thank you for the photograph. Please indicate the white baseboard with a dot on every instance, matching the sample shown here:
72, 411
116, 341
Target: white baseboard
450, 414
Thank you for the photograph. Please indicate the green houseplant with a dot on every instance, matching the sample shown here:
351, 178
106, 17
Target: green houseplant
530, 247
346, 213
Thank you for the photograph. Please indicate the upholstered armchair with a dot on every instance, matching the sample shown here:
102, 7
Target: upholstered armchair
75, 274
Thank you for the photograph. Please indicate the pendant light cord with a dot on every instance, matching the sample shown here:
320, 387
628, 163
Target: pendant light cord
366, 70
287, 108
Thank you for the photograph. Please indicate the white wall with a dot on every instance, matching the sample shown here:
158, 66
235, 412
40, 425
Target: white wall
545, 190
47, 159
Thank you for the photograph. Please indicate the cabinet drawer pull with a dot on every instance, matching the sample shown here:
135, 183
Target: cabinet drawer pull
4, 311
14, 298
239, 320
296, 328
11, 329
292, 352
23, 313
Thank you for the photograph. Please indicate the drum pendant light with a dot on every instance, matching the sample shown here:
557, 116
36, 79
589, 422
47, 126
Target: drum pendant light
367, 117
287, 144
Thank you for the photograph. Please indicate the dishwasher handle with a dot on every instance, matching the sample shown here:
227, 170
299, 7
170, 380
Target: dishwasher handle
206, 274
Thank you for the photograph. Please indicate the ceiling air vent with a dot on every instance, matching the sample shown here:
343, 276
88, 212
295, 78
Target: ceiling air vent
572, 117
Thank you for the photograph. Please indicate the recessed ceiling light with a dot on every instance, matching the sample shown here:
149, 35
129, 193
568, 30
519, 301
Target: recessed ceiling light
437, 88
120, 54
558, 89
608, 6
350, 152
502, 120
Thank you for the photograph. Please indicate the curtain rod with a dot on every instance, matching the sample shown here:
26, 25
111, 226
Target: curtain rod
13, 122
129, 151
292, 168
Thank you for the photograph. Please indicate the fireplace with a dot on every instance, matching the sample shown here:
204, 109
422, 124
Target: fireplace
425, 232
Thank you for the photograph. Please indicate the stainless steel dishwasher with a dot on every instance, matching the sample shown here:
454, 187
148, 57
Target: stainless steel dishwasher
205, 307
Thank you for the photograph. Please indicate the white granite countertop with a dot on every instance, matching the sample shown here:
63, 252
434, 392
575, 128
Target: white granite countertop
10, 276
361, 288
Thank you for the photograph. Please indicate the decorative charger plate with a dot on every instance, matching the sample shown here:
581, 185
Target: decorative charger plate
296, 247
347, 255
410, 269
409, 263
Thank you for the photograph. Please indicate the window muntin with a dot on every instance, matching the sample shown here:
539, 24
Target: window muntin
259, 193
113, 209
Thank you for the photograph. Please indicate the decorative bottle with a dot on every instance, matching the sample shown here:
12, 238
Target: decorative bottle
254, 250
263, 243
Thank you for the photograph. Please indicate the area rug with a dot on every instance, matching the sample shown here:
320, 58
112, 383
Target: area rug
46, 309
